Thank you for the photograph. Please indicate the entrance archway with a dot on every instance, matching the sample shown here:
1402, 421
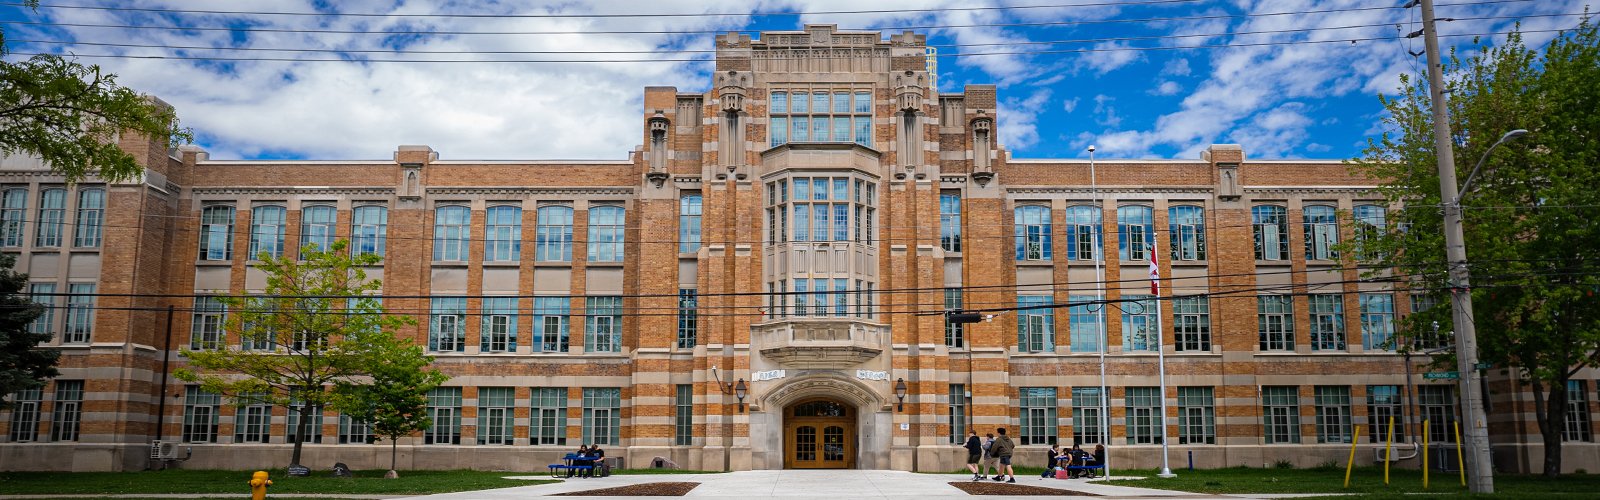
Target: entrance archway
819, 434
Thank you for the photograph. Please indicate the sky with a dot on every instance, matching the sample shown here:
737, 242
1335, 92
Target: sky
1286, 81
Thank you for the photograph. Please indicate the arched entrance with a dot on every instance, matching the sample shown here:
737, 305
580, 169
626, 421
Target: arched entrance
819, 434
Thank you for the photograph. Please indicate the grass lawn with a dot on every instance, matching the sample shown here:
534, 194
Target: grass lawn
233, 482
1364, 481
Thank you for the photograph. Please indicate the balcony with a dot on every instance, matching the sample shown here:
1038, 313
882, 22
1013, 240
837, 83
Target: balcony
804, 343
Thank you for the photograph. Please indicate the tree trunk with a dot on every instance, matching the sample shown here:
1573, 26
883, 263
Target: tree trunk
300, 429
1552, 425
394, 443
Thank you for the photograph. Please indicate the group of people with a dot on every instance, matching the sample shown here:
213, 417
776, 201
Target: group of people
592, 456
995, 452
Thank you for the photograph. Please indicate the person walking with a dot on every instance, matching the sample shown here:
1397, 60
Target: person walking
974, 453
1002, 449
989, 458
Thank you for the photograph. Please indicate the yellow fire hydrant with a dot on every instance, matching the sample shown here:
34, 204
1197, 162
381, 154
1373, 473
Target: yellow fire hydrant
258, 485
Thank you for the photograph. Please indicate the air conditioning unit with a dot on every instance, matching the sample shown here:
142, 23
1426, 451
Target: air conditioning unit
163, 450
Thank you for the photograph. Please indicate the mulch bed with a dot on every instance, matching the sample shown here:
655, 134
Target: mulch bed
637, 490
1008, 489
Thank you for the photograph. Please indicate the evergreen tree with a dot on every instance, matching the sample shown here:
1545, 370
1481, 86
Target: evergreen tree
23, 365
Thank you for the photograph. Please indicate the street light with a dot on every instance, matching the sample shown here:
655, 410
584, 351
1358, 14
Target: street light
1467, 186
900, 392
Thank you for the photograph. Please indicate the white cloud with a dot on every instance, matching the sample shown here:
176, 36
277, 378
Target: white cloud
1107, 113
1176, 67
1070, 105
1019, 119
1167, 87
1108, 58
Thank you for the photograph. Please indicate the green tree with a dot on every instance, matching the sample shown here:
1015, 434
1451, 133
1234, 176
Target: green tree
70, 115
22, 364
394, 401
314, 325
1531, 238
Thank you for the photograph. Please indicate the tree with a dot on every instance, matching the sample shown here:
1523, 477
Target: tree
70, 115
1529, 216
394, 402
22, 364
312, 326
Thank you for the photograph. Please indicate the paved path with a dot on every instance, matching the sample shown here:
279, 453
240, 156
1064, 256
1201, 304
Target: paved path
815, 484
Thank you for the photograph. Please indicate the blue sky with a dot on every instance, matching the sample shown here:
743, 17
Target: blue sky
1291, 86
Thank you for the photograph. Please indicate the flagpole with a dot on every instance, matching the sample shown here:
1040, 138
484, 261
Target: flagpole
1100, 314
1161, 356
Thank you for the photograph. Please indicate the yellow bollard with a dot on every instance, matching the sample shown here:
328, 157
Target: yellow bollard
1424, 455
1388, 450
1350, 464
258, 485
1460, 464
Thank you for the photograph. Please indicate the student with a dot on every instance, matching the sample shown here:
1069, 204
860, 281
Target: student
989, 458
598, 461
974, 453
1099, 456
580, 458
1050, 461
1002, 449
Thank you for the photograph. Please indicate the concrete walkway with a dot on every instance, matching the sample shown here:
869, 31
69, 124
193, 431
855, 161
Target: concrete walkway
815, 484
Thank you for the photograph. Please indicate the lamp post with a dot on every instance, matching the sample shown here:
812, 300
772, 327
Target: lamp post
900, 392
1100, 311
740, 391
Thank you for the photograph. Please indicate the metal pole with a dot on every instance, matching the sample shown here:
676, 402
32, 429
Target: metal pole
1477, 439
1100, 313
1161, 365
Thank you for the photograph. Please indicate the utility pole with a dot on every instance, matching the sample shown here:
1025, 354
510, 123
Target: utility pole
1480, 473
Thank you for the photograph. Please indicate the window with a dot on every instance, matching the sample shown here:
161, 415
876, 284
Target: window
352, 431
1383, 408
954, 333
1038, 415
950, 222
683, 417
452, 226
200, 415
1327, 322
317, 226
605, 233
447, 322
80, 314
313, 426
550, 323
369, 229
68, 411
44, 295
499, 324
602, 415
216, 232
1333, 413
689, 209
1275, 318
1369, 227
1429, 339
267, 231
1036, 326
822, 208
25, 415
1033, 232
502, 234
1083, 233
13, 212
1143, 419
547, 422
1087, 424
1139, 324
1322, 232
1187, 230
603, 326
444, 407
205, 332
1281, 414
52, 211
1439, 409
1577, 425
553, 238
1197, 415
1135, 232
688, 318
958, 413
252, 419
1377, 321
495, 416
1084, 322
1191, 323
820, 115
91, 214
1271, 225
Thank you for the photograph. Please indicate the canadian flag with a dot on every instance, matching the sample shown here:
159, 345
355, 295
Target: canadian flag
1155, 272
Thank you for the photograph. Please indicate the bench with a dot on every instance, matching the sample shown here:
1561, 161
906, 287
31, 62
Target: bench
556, 469
1090, 469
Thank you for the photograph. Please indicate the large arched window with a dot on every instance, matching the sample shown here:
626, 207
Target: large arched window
52, 211
1271, 223
452, 226
1083, 232
502, 238
267, 230
1322, 232
13, 214
1135, 232
369, 229
91, 214
317, 226
1187, 229
553, 238
216, 232
1033, 232
606, 240
1370, 225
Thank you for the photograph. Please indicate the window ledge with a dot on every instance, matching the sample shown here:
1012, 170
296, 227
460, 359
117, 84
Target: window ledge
1035, 263
552, 263
503, 263
604, 264
449, 263
213, 263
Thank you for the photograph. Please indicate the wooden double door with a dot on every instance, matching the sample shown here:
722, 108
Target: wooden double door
819, 435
